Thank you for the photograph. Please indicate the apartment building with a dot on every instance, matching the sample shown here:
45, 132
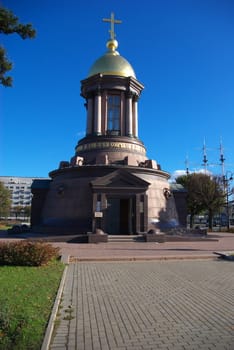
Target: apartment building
20, 188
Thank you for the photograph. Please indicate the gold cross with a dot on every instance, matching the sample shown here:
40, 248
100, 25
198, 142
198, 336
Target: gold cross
112, 20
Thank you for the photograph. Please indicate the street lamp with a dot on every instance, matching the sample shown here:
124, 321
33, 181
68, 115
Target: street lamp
226, 181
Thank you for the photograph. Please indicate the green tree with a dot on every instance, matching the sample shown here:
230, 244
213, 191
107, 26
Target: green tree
27, 211
18, 210
5, 201
204, 193
194, 205
211, 192
9, 24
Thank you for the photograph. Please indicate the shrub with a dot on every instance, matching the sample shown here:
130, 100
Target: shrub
27, 253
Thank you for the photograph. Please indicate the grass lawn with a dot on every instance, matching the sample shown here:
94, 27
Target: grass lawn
5, 226
27, 295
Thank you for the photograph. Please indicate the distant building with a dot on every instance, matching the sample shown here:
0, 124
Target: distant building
20, 188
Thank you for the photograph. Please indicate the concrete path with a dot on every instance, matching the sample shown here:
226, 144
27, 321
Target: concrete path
171, 305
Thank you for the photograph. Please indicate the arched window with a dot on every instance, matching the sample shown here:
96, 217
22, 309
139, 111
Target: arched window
113, 114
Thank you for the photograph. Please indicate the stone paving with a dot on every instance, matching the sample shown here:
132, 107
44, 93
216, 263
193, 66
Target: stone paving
146, 251
171, 305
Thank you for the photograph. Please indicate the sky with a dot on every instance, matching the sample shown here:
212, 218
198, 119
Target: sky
182, 51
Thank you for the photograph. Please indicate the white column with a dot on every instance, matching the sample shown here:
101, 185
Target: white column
135, 107
97, 116
89, 116
129, 115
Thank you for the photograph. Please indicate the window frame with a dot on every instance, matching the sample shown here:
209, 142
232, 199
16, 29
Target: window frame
113, 114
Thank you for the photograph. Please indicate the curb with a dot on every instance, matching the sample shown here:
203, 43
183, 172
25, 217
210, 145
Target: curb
74, 259
50, 326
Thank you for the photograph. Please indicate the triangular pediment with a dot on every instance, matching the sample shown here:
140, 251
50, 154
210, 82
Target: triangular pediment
120, 179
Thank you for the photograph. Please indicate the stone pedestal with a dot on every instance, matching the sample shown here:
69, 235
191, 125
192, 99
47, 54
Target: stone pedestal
154, 236
97, 237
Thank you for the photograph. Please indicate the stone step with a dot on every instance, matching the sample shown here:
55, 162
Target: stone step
125, 238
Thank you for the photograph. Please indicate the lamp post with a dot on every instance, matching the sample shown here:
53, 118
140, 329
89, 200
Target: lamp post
226, 181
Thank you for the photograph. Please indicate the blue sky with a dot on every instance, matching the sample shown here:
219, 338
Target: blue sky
181, 50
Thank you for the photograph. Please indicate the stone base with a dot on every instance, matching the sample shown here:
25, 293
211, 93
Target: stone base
154, 237
187, 232
97, 237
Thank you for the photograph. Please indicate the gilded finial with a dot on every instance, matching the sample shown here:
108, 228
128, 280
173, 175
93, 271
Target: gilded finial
112, 21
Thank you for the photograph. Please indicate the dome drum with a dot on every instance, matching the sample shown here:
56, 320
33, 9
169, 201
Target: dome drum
100, 82
111, 150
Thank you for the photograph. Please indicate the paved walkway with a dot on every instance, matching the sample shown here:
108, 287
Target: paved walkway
171, 305
114, 299
136, 250
142, 296
148, 251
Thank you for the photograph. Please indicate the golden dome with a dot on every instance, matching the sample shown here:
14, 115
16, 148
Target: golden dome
111, 63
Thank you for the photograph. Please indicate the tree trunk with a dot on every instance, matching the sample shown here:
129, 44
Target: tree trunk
210, 220
191, 220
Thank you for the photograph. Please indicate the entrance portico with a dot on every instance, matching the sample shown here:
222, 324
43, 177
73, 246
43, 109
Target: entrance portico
120, 203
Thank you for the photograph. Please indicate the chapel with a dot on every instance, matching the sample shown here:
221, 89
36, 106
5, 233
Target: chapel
109, 183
